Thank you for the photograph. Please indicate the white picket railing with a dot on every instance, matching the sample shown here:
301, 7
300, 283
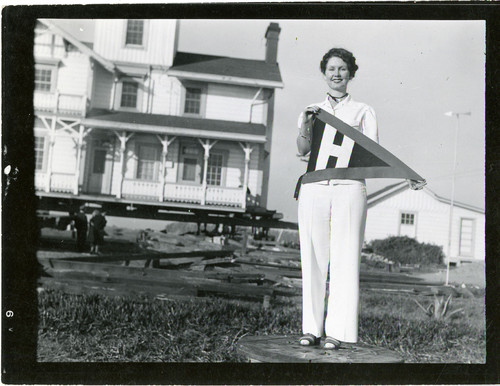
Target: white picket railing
141, 189
150, 190
224, 196
62, 182
183, 193
40, 180
62, 103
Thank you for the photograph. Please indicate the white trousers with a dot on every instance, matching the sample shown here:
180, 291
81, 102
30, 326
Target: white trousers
332, 218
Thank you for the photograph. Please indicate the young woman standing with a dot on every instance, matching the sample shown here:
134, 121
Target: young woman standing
332, 216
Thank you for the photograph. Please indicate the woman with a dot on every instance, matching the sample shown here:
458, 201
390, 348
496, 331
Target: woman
96, 231
332, 216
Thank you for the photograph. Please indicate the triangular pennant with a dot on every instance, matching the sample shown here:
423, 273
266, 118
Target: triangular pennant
341, 152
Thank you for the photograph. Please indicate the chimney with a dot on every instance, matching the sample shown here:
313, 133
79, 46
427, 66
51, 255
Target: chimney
272, 35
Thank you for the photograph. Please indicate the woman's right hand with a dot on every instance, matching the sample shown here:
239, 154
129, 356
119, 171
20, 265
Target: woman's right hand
307, 119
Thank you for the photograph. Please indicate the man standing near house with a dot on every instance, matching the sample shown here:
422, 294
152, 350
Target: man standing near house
81, 226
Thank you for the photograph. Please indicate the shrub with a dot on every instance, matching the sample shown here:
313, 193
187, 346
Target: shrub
406, 250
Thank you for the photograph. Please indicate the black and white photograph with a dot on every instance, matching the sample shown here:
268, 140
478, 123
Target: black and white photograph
246, 190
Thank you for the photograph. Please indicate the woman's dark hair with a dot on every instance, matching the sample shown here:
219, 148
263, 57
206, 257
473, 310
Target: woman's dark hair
345, 55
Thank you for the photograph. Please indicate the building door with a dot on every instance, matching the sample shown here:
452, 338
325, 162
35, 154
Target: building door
407, 225
100, 171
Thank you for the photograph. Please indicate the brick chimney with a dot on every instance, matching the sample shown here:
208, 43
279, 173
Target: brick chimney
272, 35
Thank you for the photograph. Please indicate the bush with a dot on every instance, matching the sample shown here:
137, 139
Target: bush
406, 250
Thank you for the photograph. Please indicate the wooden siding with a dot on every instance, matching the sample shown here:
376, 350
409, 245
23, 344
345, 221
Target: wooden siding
165, 93
64, 160
102, 87
48, 45
232, 103
432, 219
159, 45
73, 74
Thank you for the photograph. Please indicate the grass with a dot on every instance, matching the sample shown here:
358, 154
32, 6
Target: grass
95, 328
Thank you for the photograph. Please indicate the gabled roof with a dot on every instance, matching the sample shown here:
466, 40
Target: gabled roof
391, 190
176, 125
225, 69
83, 47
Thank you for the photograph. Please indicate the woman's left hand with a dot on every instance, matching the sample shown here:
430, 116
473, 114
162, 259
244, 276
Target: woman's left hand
416, 185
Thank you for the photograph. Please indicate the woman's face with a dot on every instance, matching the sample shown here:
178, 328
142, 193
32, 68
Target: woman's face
337, 74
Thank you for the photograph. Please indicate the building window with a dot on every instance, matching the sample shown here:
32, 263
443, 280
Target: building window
147, 161
407, 218
214, 169
192, 104
466, 237
190, 163
43, 79
135, 32
39, 152
129, 94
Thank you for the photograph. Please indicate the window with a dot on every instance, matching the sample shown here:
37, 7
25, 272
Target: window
146, 164
466, 237
129, 94
214, 169
135, 32
407, 218
192, 104
43, 79
39, 152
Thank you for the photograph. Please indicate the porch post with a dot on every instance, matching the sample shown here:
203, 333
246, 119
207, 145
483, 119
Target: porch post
79, 146
123, 146
165, 144
52, 141
206, 146
247, 149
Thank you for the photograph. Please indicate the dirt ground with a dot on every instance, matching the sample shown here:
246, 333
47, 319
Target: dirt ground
466, 273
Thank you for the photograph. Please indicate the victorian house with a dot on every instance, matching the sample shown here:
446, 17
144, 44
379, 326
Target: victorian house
129, 119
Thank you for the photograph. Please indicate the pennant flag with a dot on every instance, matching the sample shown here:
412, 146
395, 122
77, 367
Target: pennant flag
338, 151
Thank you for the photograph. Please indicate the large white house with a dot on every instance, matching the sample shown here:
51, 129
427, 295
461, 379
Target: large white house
398, 211
130, 119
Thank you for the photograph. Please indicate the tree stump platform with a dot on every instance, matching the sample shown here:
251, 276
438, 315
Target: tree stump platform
286, 349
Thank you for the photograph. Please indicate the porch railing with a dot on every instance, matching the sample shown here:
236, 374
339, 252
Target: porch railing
224, 196
62, 182
40, 180
72, 104
141, 189
150, 190
183, 193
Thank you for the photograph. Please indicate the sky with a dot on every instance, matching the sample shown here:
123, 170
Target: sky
410, 72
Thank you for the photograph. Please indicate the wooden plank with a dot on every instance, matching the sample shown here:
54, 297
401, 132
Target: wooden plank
286, 349
117, 289
150, 255
110, 273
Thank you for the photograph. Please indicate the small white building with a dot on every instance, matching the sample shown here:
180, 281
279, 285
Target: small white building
397, 210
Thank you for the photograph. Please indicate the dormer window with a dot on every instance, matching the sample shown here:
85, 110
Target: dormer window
135, 33
129, 94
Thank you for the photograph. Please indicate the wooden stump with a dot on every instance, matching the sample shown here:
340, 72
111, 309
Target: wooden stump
286, 349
